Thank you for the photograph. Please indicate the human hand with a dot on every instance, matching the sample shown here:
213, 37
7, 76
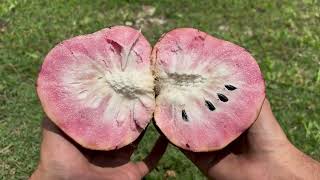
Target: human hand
62, 158
262, 152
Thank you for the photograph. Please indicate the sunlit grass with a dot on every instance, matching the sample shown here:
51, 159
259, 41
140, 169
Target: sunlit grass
283, 37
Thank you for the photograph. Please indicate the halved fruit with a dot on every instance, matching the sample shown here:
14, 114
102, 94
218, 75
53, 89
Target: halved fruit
98, 88
208, 90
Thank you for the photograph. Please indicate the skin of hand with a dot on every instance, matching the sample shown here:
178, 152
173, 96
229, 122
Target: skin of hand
62, 158
262, 152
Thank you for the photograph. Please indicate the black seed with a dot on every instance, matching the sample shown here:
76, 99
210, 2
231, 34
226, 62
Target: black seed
230, 87
184, 115
222, 97
209, 105
188, 146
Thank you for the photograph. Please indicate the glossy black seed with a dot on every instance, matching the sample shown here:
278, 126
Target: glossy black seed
222, 97
230, 87
209, 105
184, 115
188, 146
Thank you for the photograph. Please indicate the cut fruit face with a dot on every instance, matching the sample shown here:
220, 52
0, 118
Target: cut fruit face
99, 88
208, 90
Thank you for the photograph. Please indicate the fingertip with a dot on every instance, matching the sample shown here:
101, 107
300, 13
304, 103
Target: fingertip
266, 111
143, 168
154, 156
266, 104
266, 124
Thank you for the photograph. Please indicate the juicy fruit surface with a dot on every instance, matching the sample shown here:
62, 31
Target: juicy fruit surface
208, 90
98, 88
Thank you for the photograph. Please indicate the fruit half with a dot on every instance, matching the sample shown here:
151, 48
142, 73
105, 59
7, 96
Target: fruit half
98, 88
208, 90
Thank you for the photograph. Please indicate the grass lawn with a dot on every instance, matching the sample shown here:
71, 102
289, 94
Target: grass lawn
284, 37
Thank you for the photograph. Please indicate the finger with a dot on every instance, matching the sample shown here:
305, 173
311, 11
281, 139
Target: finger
221, 167
153, 158
266, 119
201, 159
51, 135
55, 144
108, 158
48, 125
54, 136
129, 149
266, 132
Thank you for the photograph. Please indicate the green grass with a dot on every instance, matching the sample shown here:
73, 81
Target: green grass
283, 36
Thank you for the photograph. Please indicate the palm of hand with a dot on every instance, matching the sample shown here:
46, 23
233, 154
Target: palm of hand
250, 154
62, 158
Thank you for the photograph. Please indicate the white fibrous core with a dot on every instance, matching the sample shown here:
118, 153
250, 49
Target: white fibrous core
91, 82
131, 84
188, 79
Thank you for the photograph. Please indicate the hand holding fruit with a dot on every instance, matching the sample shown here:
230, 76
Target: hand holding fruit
62, 158
263, 152
102, 89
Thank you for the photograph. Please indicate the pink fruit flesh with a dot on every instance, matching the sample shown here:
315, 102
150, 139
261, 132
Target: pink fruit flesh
98, 88
194, 107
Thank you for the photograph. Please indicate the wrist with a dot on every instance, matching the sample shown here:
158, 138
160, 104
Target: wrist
54, 174
46, 174
305, 167
294, 164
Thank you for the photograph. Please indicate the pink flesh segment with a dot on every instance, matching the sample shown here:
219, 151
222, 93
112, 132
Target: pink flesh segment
92, 127
207, 130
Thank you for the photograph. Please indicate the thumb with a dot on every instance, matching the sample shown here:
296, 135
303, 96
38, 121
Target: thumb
266, 131
153, 158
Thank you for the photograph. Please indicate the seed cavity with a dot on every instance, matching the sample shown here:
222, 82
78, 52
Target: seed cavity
222, 97
130, 84
184, 115
230, 87
183, 80
209, 105
83, 91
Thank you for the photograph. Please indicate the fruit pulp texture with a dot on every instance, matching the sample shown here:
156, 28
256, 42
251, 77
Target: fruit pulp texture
208, 90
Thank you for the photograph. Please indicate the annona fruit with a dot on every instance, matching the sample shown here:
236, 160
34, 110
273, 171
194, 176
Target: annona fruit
208, 90
98, 88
